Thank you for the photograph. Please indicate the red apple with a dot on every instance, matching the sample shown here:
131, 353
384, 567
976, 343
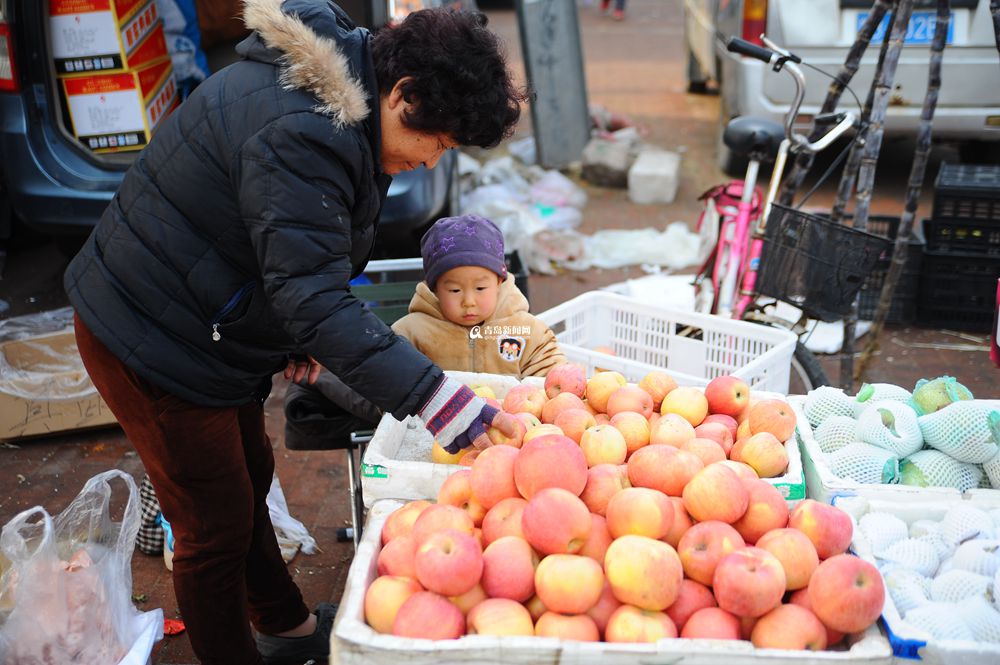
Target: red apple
727, 395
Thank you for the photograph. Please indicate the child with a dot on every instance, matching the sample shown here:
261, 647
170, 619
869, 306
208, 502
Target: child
467, 315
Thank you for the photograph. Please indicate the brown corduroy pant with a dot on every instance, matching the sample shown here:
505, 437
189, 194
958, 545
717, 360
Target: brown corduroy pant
212, 469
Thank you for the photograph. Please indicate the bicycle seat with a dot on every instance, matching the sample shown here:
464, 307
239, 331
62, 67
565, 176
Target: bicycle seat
748, 136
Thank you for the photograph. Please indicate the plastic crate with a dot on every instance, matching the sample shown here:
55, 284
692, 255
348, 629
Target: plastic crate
967, 192
958, 291
903, 308
693, 348
962, 235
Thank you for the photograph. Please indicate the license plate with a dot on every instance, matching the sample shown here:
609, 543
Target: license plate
919, 31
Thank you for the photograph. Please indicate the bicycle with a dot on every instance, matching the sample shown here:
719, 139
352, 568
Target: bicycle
735, 221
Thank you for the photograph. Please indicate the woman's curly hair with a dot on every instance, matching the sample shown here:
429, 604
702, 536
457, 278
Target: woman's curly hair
459, 83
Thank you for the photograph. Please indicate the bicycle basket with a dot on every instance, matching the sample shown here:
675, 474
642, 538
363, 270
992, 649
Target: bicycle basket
815, 264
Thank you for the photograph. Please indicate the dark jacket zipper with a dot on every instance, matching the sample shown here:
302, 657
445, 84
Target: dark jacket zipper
227, 308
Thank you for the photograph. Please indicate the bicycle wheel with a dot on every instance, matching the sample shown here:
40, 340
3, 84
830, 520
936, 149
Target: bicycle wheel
806, 372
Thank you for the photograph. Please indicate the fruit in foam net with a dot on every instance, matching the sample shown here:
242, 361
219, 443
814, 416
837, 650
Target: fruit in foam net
930, 396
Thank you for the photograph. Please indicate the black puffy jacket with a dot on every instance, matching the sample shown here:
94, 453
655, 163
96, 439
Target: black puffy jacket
233, 237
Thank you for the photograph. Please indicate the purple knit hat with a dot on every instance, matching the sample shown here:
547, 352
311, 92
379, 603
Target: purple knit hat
466, 240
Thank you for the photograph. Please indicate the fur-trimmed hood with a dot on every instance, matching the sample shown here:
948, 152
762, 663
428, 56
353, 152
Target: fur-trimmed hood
319, 48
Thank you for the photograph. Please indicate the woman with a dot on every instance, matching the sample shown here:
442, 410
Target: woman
228, 251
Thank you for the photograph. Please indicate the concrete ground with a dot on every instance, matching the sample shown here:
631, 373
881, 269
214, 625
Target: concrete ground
634, 67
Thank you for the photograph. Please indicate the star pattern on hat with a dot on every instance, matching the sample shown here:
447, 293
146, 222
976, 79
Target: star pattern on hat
447, 243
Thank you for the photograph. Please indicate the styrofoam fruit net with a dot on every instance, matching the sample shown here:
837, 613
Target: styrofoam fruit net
978, 556
826, 401
992, 469
836, 432
982, 619
906, 590
961, 523
932, 468
995, 516
924, 528
865, 464
898, 572
871, 393
891, 425
941, 620
994, 592
944, 548
957, 585
914, 554
968, 431
929, 396
882, 530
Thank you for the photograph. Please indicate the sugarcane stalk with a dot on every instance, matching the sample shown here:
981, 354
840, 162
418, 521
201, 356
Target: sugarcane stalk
917, 172
882, 88
804, 161
995, 13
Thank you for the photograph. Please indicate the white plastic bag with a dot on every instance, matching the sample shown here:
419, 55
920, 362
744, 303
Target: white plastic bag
69, 583
292, 534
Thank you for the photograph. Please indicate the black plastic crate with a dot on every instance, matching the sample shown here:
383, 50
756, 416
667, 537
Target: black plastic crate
903, 308
967, 192
958, 291
962, 235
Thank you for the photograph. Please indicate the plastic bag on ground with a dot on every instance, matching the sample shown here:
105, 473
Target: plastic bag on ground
292, 534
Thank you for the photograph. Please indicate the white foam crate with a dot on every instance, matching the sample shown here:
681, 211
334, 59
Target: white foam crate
397, 464
353, 642
823, 485
645, 337
909, 643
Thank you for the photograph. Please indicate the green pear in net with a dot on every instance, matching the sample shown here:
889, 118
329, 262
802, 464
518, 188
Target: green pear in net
964, 522
826, 401
957, 585
978, 556
929, 396
940, 620
932, 468
968, 431
914, 554
871, 393
864, 463
891, 425
981, 618
882, 529
836, 432
907, 588
992, 469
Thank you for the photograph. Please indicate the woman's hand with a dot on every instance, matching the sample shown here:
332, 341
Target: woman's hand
300, 367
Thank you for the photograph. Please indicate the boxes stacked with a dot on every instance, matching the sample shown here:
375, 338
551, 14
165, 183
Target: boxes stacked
114, 68
962, 260
903, 308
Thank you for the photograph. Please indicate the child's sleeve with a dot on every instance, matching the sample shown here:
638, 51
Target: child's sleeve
545, 353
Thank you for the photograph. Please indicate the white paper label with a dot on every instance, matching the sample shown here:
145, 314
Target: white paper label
78, 35
106, 112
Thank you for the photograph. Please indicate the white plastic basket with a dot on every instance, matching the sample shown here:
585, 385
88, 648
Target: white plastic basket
693, 348
354, 642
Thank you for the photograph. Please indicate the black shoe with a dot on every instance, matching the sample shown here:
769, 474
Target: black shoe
300, 650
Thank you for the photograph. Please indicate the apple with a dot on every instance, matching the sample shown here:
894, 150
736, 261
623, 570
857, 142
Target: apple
498, 438
558, 404
566, 378
801, 598
705, 544
504, 519
717, 432
663, 468
721, 418
789, 627
577, 627
680, 524
603, 444
692, 597
846, 593
429, 616
773, 416
569, 583
552, 460
556, 521
796, 553
658, 385
600, 388
634, 428
716, 493
400, 521
640, 511
706, 450
574, 422
530, 421
500, 617
603, 482
727, 395
509, 569
597, 543
742, 432
485, 392
448, 562
456, 490
766, 510
396, 558
544, 429
765, 454
524, 398
491, 479
712, 623
749, 582
741, 469
829, 528
469, 599
672, 430
605, 607
643, 572
687, 402
535, 607
634, 624
441, 456
630, 397
438, 517
384, 597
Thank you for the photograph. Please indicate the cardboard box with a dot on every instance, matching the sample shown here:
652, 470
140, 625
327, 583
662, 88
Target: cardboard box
117, 112
105, 35
44, 388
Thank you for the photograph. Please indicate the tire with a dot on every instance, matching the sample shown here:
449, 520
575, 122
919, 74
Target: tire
806, 372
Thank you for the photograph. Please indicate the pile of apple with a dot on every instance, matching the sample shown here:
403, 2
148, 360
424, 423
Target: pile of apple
611, 419
536, 540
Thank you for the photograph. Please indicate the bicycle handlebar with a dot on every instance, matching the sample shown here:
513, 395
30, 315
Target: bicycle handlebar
743, 47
